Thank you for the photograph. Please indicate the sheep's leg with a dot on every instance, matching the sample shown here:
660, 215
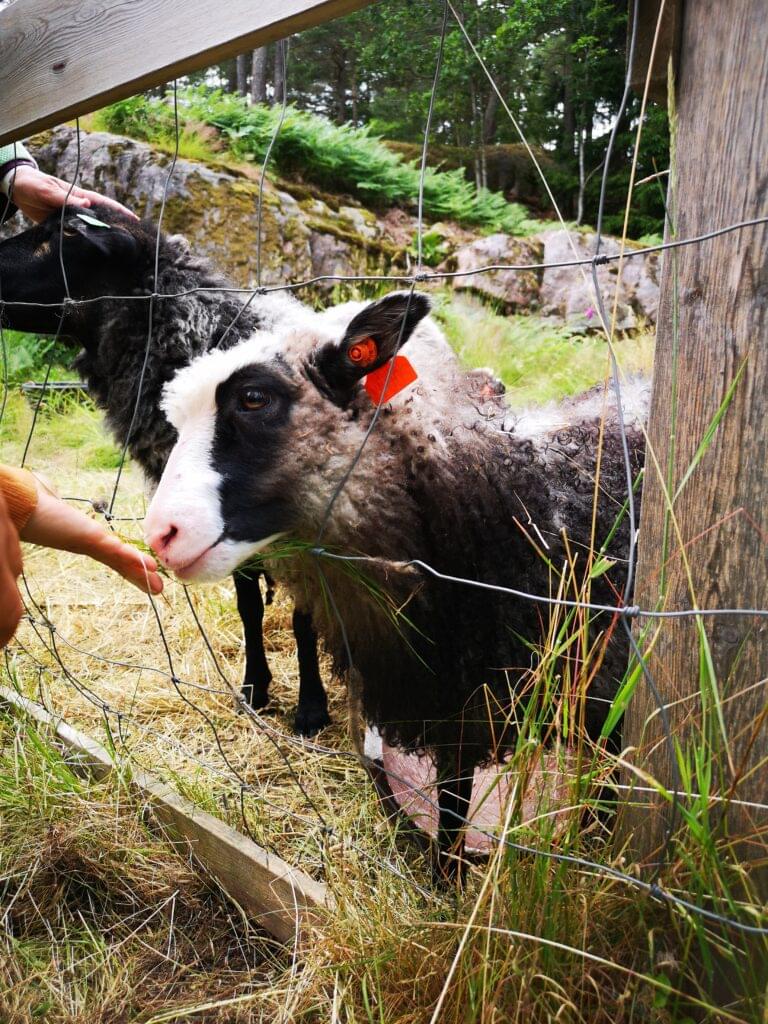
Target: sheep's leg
312, 712
250, 604
454, 792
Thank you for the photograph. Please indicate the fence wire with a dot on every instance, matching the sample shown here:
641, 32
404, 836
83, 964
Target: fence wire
117, 721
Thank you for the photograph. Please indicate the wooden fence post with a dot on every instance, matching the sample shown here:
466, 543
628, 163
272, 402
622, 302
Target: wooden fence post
712, 332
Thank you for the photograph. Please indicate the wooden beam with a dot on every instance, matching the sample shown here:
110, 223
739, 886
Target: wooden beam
667, 45
711, 354
62, 58
282, 899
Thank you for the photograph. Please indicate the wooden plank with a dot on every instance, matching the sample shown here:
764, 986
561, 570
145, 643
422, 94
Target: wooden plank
61, 58
283, 899
713, 324
667, 45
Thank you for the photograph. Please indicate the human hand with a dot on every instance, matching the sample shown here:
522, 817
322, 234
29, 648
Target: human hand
55, 524
37, 195
11, 608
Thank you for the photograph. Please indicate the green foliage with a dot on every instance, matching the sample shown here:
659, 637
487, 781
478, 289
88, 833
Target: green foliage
559, 64
29, 355
339, 158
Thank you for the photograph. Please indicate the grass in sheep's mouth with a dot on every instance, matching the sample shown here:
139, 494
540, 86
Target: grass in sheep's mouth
101, 922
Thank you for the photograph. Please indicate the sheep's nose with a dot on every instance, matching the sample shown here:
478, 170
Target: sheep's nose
161, 539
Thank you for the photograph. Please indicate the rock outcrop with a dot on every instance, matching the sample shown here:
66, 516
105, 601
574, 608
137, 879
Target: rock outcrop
564, 293
303, 234
307, 234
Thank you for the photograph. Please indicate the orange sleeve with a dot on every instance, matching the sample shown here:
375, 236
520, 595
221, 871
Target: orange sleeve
20, 493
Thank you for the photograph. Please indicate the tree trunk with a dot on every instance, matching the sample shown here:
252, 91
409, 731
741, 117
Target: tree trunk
476, 133
488, 131
489, 117
582, 179
279, 75
259, 75
242, 75
354, 93
229, 74
712, 329
340, 85
569, 111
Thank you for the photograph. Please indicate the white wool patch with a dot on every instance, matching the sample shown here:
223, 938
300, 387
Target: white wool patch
192, 392
187, 499
540, 423
187, 496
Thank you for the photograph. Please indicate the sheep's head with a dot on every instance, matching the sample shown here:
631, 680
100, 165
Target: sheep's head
265, 433
103, 252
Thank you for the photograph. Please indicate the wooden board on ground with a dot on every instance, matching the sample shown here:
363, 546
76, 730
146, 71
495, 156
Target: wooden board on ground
62, 58
281, 898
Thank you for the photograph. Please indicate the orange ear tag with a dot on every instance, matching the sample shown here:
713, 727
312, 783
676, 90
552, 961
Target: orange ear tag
363, 352
402, 375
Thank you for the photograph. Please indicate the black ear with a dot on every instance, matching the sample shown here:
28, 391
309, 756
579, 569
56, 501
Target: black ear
100, 238
376, 334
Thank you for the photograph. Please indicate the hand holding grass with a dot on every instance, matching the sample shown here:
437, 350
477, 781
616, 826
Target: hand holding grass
55, 524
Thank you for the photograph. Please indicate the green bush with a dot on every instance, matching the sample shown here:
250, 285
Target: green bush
336, 158
28, 355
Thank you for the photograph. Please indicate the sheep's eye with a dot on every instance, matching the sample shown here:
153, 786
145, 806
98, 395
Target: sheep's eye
253, 399
70, 232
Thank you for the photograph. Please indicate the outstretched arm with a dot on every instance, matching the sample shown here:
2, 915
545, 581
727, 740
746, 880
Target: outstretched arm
55, 524
38, 516
38, 195
11, 607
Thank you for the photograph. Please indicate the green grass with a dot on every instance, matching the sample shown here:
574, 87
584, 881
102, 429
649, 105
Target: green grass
537, 361
66, 421
103, 920
336, 158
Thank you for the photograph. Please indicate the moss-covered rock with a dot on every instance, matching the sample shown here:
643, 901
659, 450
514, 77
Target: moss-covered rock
514, 289
217, 207
306, 234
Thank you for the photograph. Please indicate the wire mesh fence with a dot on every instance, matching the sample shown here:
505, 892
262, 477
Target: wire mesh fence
46, 650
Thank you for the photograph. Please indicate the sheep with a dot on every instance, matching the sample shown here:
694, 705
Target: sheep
107, 254
450, 477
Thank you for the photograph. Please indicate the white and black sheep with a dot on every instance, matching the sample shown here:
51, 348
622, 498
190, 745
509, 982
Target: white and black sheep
118, 259
266, 432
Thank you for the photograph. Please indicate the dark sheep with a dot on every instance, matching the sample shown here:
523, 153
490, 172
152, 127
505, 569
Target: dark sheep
450, 477
108, 254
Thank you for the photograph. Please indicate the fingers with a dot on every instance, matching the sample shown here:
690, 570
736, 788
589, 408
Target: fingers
38, 195
134, 566
94, 197
11, 608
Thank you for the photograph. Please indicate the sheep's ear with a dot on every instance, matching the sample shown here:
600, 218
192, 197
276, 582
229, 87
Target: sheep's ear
372, 338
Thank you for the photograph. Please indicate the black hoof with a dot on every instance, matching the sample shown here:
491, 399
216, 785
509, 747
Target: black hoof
310, 720
256, 696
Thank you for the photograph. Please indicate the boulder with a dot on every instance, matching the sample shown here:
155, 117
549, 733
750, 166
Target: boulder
563, 293
567, 292
216, 207
515, 289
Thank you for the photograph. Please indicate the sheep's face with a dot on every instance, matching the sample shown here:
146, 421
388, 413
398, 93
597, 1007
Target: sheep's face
264, 432
103, 251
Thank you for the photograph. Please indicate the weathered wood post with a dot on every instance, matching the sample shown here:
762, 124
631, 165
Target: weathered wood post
712, 549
